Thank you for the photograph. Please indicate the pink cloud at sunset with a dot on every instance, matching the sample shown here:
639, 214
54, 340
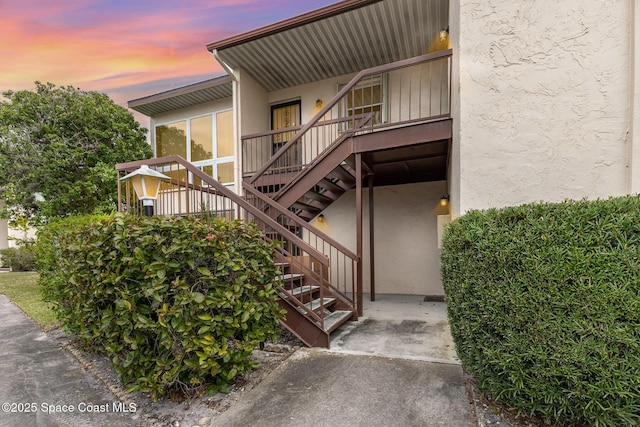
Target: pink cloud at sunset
125, 48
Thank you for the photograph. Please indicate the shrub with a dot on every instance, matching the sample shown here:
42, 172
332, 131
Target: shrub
177, 303
544, 304
19, 258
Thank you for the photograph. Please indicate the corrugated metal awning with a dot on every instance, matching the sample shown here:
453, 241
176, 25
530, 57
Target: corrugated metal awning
320, 45
186, 96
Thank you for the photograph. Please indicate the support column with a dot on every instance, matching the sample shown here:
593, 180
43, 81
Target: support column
633, 144
372, 263
4, 230
359, 300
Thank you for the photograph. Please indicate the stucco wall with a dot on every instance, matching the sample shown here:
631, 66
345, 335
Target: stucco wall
254, 111
543, 109
405, 230
4, 234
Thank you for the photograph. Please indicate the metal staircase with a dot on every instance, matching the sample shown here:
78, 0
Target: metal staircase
321, 282
317, 165
319, 276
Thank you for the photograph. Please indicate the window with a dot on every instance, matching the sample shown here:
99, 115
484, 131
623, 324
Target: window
201, 139
206, 141
368, 96
171, 139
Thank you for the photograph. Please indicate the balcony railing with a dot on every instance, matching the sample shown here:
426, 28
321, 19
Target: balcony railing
398, 94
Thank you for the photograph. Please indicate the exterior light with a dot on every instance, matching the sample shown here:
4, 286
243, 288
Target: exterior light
146, 183
444, 200
444, 33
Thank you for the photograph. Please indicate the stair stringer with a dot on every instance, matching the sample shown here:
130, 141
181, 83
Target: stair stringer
321, 167
302, 327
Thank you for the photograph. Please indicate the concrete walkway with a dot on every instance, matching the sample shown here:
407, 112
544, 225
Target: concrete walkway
399, 326
396, 366
43, 385
324, 389
388, 369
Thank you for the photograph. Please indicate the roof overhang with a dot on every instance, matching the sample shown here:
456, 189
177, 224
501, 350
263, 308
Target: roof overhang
182, 97
339, 39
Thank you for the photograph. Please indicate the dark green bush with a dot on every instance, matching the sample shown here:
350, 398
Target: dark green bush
544, 304
178, 304
19, 258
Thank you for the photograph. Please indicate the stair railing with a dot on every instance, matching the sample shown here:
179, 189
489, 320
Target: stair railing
190, 191
341, 278
363, 121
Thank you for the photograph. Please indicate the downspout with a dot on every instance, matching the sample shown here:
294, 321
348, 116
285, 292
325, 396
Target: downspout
224, 65
633, 141
235, 105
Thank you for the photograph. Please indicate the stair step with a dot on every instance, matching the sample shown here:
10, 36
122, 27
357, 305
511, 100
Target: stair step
292, 276
304, 289
306, 207
330, 186
335, 319
317, 303
282, 266
344, 175
319, 197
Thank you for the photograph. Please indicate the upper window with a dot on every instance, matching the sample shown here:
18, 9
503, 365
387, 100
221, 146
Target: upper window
368, 96
206, 141
171, 139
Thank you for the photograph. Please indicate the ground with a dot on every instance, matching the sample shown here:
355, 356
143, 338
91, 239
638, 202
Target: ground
198, 411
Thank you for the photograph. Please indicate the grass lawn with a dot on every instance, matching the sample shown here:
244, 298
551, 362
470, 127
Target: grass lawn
23, 290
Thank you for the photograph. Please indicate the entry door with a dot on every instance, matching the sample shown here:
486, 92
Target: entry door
286, 116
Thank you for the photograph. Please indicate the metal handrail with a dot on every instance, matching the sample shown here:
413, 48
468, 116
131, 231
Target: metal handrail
298, 221
349, 86
303, 257
325, 239
224, 191
365, 118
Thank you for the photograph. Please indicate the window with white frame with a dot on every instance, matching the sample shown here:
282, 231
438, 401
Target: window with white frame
206, 141
368, 96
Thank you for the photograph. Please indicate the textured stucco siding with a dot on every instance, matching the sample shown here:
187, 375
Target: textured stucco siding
543, 104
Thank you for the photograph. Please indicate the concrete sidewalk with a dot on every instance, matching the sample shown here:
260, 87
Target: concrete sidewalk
396, 366
43, 385
320, 388
381, 372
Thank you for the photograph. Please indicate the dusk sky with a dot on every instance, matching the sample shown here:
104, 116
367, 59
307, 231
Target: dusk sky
125, 48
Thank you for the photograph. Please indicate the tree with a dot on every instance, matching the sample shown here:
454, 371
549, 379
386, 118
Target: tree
58, 149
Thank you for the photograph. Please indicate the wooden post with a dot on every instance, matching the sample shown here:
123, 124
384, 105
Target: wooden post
360, 299
372, 264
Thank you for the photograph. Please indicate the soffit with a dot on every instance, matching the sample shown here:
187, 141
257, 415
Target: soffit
420, 163
198, 93
319, 48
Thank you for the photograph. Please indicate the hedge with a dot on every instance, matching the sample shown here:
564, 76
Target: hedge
544, 305
177, 303
19, 258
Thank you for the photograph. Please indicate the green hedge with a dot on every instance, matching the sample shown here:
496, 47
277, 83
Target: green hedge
178, 304
544, 304
19, 258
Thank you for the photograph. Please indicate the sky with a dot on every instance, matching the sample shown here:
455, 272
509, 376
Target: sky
125, 48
